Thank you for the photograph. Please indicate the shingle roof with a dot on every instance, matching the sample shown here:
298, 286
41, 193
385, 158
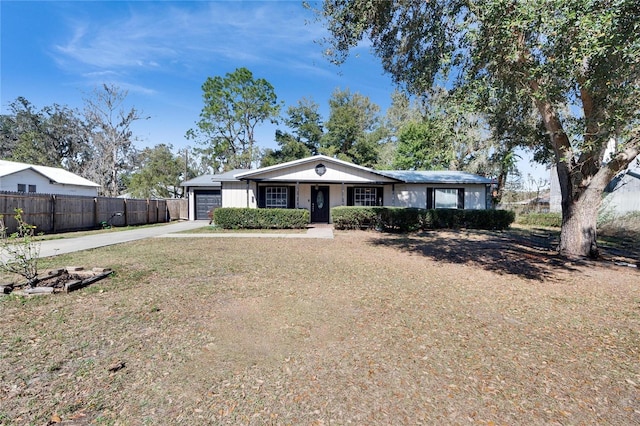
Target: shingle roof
444, 176
213, 180
54, 174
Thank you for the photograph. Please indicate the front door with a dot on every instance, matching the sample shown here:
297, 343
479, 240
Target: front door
319, 204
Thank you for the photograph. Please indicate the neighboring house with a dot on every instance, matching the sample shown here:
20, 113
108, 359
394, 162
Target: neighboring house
28, 178
319, 183
621, 195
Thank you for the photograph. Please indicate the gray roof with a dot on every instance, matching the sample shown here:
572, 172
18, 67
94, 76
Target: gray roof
213, 180
444, 176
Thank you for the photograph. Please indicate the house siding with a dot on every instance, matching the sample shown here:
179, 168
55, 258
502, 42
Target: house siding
43, 184
415, 195
235, 194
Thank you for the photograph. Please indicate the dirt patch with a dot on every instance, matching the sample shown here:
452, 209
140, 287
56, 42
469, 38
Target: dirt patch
60, 280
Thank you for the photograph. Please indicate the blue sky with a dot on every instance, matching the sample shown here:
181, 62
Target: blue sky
162, 52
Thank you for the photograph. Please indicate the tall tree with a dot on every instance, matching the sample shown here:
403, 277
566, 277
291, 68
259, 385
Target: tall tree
109, 123
159, 173
424, 145
303, 140
572, 61
402, 110
52, 136
352, 130
233, 106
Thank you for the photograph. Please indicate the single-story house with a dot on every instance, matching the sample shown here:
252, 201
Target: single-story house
29, 178
319, 183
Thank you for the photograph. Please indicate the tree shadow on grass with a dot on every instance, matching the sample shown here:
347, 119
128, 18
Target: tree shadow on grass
528, 256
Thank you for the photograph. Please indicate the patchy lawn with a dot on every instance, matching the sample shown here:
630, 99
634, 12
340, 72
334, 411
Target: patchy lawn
438, 328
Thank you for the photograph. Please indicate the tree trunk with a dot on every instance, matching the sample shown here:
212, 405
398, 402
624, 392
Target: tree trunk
580, 214
578, 234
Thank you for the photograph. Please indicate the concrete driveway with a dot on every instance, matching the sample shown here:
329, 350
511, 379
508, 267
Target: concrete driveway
86, 242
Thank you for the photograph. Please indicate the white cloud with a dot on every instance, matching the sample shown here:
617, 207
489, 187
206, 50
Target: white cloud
160, 35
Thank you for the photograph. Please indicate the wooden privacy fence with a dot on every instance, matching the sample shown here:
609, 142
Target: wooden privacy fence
60, 213
178, 208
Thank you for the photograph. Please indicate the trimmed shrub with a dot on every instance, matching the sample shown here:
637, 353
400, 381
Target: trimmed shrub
250, 218
399, 219
354, 217
552, 220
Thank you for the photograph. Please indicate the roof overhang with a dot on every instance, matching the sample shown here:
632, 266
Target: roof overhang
316, 169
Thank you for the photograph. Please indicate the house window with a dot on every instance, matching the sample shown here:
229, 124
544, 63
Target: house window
32, 188
276, 197
446, 198
22, 187
365, 196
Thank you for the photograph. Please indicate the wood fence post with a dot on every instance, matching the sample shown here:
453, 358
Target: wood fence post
53, 212
95, 211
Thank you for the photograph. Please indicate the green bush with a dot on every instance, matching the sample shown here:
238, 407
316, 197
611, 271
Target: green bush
354, 217
553, 220
398, 219
250, 218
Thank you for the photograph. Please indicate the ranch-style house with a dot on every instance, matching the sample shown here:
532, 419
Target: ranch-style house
319, 183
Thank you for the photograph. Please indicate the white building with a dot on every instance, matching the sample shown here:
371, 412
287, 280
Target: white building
319, 183
29, 178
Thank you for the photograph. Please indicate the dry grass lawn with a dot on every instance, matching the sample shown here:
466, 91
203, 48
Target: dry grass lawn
438, 328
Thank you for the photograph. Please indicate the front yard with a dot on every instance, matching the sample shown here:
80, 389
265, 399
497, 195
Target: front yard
437, 328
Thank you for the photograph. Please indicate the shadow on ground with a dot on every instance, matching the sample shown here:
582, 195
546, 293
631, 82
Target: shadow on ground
530, 256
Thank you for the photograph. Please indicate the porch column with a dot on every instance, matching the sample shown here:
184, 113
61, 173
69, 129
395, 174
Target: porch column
393, 195
297, 195
342, 188
248, 192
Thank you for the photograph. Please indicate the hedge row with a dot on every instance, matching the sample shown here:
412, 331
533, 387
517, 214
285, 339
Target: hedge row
250, 218
401, 219
553, 220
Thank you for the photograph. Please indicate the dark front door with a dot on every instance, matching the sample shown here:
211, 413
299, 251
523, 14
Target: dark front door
320, 204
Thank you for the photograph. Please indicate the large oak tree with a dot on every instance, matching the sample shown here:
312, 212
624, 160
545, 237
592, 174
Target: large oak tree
574, 62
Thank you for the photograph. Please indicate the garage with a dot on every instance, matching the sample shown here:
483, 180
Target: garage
206, 200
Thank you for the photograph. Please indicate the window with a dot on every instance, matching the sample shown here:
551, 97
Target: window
276, 197
32, 188
365, 196
446, 198
22, 187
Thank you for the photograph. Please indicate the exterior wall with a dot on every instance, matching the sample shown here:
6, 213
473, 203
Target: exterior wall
43, 185
475, 198
408, 195
234, 194
415, 195
624, 199
555, 197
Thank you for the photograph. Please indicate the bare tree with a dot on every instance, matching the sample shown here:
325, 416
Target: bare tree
109, 123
